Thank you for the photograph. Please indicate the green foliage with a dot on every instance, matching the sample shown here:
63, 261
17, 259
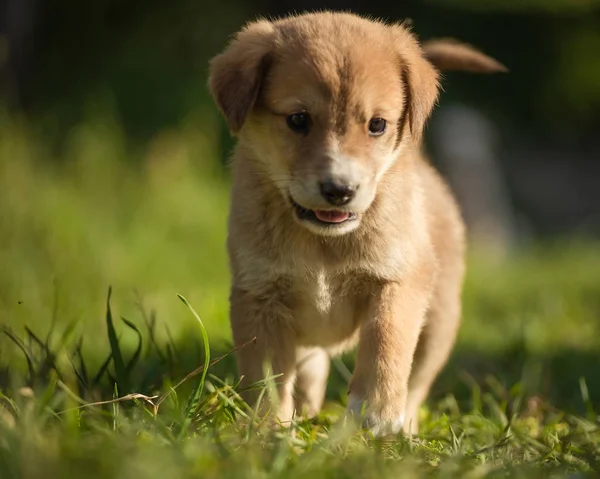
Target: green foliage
83, 394
192, 406
52, 432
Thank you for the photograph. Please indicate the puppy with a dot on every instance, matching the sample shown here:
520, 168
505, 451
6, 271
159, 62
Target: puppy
340, 232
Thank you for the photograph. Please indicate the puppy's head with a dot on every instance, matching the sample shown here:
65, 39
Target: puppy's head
325, 104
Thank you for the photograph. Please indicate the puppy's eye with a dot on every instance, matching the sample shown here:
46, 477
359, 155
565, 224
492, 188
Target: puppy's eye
377, 126
299, 122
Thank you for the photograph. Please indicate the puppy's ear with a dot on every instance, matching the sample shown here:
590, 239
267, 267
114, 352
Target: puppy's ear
421, 89
450, 54
419, 80
236, 75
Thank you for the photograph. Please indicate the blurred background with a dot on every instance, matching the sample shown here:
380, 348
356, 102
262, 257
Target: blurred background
112, 171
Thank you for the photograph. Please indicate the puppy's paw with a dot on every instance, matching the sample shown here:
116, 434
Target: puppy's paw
380, 421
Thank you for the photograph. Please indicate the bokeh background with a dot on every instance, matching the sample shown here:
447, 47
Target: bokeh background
112, 172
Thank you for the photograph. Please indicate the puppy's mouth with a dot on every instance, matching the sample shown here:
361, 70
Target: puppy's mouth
328, 218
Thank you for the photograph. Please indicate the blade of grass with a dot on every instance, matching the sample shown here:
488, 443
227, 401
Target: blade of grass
115, 408
36, 340
21, 345
82, 367
254, 422
342, 369
80, 372
585, 396
173, 353
102, 371
136, 356
84, 404
150, 322
54, 317
194, 399
199, 370
120, 370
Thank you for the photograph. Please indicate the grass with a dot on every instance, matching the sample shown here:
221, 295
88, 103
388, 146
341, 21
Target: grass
104, 373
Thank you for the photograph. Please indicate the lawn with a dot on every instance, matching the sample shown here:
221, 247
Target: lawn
109, 386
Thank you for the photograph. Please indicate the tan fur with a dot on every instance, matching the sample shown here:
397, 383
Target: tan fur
391, 279
450, 54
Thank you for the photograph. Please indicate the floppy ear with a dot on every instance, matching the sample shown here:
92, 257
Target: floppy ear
450, 54
420, 81
236, 75
421, 89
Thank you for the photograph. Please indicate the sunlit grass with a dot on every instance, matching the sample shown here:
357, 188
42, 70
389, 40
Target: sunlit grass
75, 224
519, 397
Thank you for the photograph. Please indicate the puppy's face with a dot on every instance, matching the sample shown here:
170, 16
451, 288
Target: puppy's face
327, 127
325, 104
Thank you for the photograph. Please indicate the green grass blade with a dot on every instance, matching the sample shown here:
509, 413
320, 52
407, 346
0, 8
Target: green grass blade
82, 367
136, 356
36, 340
585, 396
81, 371
120, 369
102, 371
21, 345
115, 408
195, 397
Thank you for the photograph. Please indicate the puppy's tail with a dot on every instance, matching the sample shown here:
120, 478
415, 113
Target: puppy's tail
448, 54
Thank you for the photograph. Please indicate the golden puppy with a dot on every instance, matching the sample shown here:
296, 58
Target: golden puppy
340, 231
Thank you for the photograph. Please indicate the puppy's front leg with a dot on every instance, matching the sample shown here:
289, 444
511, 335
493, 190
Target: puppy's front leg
268, 321
388, 339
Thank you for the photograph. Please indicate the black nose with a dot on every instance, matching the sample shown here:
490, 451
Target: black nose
336, 193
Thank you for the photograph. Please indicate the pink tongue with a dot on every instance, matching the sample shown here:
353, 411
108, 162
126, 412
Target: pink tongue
332, 216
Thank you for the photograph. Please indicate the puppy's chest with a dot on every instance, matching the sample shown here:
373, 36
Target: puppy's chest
326, 307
